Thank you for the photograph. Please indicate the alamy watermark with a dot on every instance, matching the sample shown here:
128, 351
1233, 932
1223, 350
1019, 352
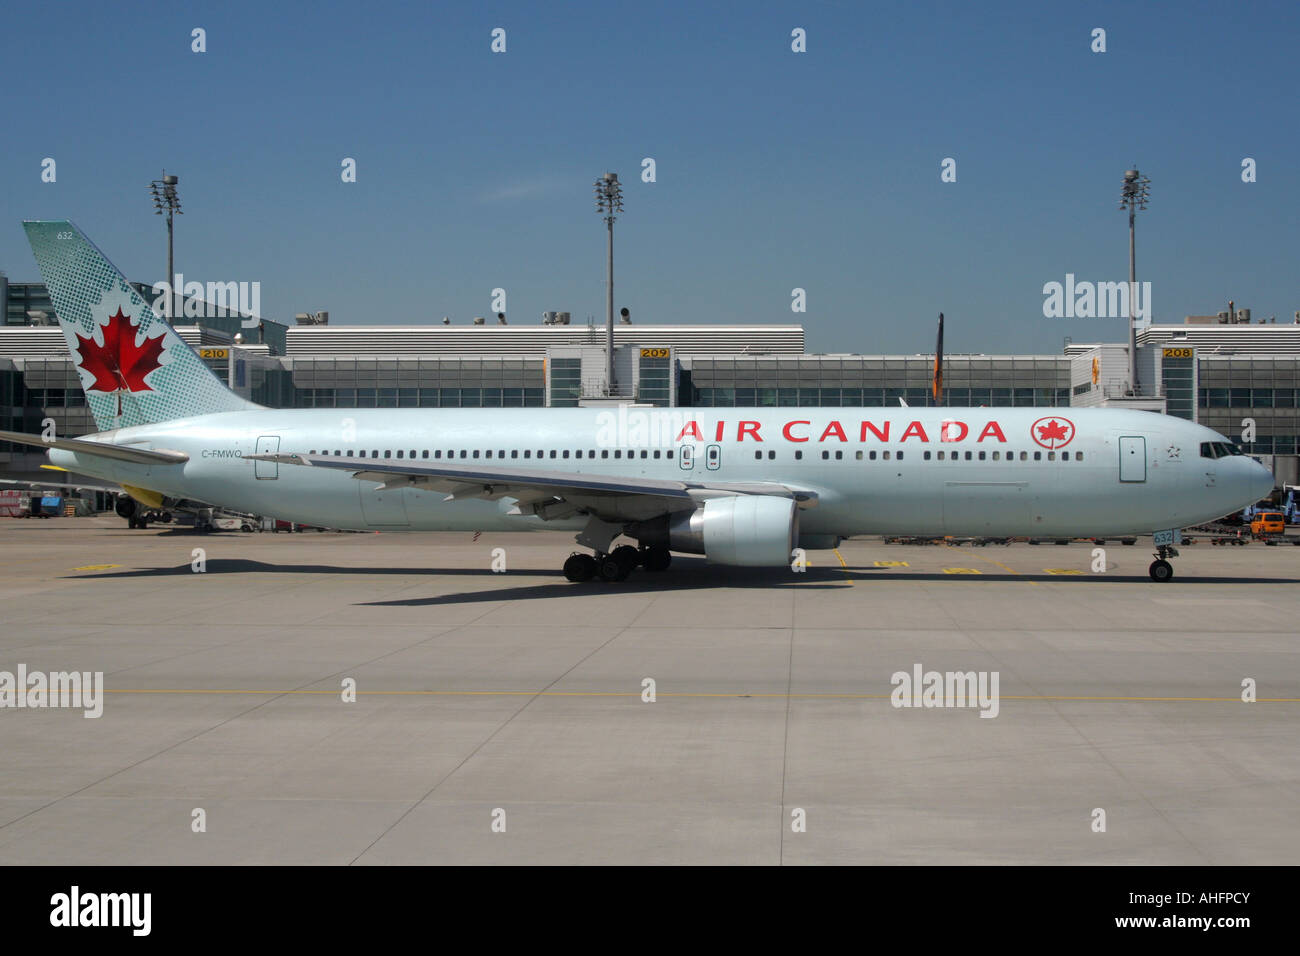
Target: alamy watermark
128, 910
922, 688
34, 690
638, 428
207, 301
1096, 300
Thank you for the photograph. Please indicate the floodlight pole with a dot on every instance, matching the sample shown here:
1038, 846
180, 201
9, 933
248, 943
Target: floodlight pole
166, 198
609, 200
1136, 191
609, 303
1132, 288
171, 267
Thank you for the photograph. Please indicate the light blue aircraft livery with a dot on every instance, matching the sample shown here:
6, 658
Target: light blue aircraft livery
741, 486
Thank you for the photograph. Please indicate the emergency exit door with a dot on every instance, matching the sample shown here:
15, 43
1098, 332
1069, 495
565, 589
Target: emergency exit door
1132, 458
267, 445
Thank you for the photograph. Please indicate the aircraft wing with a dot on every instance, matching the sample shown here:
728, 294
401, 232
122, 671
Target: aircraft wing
83, 446
548, 494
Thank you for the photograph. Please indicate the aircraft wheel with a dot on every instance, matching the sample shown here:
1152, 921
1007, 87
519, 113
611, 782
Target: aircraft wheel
656, 559
628, 555
611, 568
1161, 570
580, 567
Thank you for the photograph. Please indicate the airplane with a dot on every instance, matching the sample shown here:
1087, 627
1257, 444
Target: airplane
741, 486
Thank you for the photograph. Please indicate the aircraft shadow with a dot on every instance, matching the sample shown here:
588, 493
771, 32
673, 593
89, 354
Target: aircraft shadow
243, 566
701, 577
818, 579
685, 575
1082, 578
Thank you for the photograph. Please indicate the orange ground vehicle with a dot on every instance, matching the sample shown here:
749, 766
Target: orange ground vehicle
1266, 523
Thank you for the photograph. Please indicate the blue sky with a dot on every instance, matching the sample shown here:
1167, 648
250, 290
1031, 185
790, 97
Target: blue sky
775, 169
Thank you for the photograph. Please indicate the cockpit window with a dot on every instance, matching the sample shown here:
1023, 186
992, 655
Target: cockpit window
1219, 449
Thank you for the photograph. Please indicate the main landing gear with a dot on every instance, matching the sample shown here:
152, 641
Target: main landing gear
611, 564
616, 565
1161, 570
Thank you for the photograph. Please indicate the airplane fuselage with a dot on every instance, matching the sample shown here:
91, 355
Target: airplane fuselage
963, 471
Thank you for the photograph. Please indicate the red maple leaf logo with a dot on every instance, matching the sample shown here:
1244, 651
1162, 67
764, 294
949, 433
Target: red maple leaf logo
1052, 432
119, 363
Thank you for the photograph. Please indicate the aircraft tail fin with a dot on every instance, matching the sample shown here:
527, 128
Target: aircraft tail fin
134, 368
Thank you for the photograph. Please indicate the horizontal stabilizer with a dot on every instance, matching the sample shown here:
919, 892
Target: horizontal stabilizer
82, 446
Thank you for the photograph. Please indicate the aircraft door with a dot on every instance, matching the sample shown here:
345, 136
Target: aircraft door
713, 457
1132, 458
267, 445
988, 507
686, 457
382, 508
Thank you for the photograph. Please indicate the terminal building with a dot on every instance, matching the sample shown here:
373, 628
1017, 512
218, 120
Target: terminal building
1238, 378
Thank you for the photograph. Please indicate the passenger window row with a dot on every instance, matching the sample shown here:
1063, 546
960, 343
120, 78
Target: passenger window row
950, 456
1208, 450
437, 453
870, 456
1008, 456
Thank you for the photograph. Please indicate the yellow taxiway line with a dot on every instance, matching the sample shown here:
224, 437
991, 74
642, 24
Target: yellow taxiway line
702, 694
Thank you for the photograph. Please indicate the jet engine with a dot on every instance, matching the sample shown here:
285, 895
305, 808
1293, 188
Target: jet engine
743, 530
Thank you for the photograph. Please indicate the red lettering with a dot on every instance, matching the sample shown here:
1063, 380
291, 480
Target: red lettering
690, 427
786, 431
748, 428
992, 429
949, 431
718, 434
883, 436
834, 428
914, 429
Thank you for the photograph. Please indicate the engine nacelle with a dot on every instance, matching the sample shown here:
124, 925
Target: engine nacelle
819, 542
745, 530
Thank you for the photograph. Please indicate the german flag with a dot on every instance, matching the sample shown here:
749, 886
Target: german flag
937, 386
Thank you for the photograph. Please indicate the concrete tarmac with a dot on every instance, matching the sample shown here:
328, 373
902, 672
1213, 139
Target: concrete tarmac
513, 701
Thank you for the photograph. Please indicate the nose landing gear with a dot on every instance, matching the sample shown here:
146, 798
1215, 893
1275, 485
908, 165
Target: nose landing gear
1161, 570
